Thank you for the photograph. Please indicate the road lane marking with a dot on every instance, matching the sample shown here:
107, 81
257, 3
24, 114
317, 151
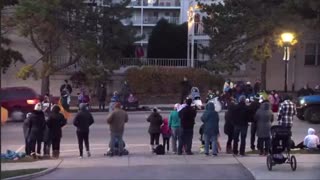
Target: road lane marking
18, 150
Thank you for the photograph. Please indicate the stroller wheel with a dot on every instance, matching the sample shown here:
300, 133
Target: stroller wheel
293, 163
269, 162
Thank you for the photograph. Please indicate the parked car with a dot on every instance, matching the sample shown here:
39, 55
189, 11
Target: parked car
308, 108
18, 101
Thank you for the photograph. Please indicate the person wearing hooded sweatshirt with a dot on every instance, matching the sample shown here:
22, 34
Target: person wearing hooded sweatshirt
36, 123
166, 133
55, 123
155, 120
264, 119
83, 121
311, 141
210, 119
26, 132
174, 125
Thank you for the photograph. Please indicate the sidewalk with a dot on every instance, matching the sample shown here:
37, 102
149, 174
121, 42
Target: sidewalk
249, 167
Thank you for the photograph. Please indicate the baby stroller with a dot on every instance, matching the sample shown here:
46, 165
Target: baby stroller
280, 144
196, 99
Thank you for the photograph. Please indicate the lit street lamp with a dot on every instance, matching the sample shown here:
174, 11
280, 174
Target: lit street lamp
287, 39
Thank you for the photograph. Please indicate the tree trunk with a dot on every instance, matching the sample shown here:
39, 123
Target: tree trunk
45, 85
263, 75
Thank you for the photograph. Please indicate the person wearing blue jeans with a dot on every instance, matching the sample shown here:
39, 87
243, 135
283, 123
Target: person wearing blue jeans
175, 124
210, 119
116, 142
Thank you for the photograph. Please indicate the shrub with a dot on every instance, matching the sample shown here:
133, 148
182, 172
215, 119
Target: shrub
161, 80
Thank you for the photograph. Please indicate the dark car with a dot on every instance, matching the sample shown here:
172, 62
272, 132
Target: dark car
308, 108
18, 101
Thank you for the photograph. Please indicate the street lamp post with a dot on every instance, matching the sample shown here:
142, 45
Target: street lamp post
287, 39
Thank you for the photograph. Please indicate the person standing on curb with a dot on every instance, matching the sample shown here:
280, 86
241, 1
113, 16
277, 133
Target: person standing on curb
102, 94
253, 108
36, 123
187, 116
264, 119
210, 119
155, 121
240, 126
175, 125
185, 89
55, 123
117, 120
228, 126
83, 121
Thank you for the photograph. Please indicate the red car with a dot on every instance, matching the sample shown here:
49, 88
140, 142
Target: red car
18, 101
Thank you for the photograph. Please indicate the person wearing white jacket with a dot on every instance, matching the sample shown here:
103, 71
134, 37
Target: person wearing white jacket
311, 141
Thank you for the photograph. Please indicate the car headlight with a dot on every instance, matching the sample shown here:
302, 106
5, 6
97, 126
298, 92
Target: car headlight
302, 101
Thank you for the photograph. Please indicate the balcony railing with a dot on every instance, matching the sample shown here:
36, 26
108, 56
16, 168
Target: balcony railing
154, 20
161, 62
157, 3
199, 29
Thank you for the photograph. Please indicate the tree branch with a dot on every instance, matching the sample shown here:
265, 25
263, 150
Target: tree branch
35, 44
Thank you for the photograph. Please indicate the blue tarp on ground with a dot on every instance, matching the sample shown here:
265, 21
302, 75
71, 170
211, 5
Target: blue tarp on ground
12, 155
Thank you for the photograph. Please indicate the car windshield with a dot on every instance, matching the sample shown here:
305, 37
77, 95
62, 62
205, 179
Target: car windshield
15, 94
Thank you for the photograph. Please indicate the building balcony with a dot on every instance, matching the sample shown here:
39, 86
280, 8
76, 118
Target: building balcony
150, 21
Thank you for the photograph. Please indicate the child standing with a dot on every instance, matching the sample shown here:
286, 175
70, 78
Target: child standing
166, 133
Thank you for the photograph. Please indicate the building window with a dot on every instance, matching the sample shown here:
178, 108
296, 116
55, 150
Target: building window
312, 54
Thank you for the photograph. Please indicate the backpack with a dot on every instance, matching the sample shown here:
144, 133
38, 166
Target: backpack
159, 150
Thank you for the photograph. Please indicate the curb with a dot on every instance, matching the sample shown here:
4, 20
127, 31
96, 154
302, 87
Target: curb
245, 167
35, 175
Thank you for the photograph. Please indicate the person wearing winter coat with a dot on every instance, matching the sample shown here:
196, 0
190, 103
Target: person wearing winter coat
174, 125
311, 141
117, 120
274, 99
185, 89
26, 131
253, 108
210, 119
264, 119
166, 133
36, 123
55, 123
240, 122
155, 120
187, 116
228, 126
83, 121
102, 94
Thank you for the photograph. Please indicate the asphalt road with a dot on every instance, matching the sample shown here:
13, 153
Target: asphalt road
137, 140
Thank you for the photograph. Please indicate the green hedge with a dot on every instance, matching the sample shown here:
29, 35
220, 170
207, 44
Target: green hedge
161, 80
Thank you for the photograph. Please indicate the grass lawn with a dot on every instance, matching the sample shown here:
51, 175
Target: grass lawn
13, 173
299, 151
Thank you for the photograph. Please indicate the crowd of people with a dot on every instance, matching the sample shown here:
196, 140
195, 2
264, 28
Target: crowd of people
44, 124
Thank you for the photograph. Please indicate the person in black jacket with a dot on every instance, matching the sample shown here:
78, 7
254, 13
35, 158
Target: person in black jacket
240, 122
55, 123
26, 132
228, 126
187, 116
83, 121
102, 94
36, 123
185, 89
253, 108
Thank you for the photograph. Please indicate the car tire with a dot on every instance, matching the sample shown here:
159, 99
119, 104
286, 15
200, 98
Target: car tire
312, 114
17, 114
